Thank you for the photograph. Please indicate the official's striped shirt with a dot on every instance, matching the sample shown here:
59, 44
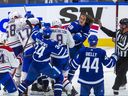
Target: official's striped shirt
121, 47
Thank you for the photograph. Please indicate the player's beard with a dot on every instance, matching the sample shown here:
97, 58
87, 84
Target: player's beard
81, 23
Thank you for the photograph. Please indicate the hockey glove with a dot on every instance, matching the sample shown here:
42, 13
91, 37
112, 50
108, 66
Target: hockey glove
29, 15
77, 37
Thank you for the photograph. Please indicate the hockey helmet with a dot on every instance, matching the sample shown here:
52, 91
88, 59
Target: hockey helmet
124, 21
14, 15
56, 22
47, 32
92, 40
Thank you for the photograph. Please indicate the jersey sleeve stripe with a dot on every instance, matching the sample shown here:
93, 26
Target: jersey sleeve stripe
60, 51
109, 64
75, 63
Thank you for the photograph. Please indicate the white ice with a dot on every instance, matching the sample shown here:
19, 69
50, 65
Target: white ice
109, 78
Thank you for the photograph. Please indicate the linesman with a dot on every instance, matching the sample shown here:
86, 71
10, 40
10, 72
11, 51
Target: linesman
121, 49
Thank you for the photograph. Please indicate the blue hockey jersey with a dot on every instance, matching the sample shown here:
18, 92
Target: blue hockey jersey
45, 47
91, 61
79, 33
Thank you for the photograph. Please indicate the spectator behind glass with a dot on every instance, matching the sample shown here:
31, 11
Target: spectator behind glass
87, 0
75, 1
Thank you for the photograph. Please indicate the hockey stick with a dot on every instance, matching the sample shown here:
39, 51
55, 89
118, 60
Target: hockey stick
116, 29
25, 9
29, 34
116, 19
117, 10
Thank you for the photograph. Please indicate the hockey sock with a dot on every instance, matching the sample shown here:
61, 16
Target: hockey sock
58, 86
23, 86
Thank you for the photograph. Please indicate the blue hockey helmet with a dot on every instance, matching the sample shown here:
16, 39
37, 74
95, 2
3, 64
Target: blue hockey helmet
92, 40
47, 32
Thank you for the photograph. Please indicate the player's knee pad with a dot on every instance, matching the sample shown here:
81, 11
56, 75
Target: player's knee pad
23, 76
13, 94
59, 79
55, 73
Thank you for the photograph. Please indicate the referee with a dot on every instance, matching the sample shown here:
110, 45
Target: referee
121, 49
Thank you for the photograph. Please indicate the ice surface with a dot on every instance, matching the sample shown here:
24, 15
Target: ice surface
109, 78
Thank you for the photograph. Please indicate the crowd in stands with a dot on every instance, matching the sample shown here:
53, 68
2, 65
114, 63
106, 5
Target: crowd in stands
51, 1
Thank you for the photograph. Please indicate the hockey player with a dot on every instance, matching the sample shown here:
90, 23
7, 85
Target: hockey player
61, 62
91, 61
24, 31
80, 31
41, 61
63, 36
8, 61
14, 42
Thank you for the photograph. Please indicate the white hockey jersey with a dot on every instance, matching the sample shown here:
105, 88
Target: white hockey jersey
63, 36
7, 59
23, 32
12, 40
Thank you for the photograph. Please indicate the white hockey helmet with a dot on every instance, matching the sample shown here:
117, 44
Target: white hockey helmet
56, 22
15, 14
